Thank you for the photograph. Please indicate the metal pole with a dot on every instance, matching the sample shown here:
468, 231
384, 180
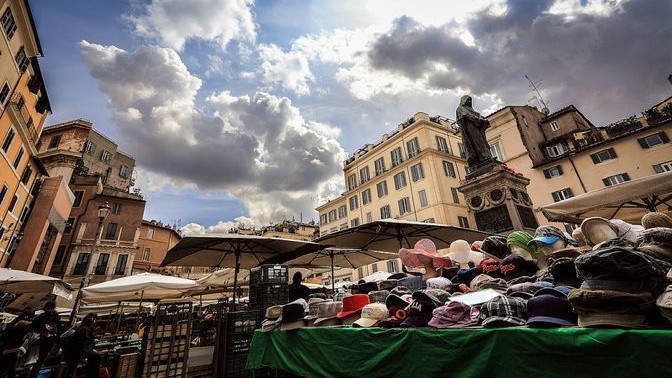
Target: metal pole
120, 310
235, 280
137, 316
333, 286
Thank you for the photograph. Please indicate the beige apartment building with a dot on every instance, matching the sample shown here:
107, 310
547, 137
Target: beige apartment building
413, 173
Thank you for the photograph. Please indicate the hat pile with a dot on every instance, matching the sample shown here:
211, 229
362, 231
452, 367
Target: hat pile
619, 286
521, 239
504, 311
455, 315
494, 246
327, 314
411, 258
352, 307
657, 242
550, 308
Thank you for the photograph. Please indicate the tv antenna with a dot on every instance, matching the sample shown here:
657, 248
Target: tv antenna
537, 95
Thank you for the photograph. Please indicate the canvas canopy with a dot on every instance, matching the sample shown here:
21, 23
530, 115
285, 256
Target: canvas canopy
22, 282
144, 286
628, 201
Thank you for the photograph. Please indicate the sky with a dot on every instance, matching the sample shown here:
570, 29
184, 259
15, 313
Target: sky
242, 113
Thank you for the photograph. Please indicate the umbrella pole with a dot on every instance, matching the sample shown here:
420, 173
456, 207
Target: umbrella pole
121, 312
333, 290
235, 280
137, 316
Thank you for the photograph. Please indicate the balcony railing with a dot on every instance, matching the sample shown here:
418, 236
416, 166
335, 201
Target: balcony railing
18, 105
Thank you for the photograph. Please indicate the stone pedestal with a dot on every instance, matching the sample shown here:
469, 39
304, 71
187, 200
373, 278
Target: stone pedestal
498, 201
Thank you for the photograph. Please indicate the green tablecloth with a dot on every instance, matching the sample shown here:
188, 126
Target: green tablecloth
505, 352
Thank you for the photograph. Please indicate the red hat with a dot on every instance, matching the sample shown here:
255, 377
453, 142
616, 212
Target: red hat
476, 246
425, 247
352, 304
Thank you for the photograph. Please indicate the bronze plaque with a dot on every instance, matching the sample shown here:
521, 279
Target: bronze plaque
496, 219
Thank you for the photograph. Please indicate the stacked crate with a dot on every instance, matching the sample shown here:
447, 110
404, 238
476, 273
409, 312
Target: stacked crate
168, 341
269, 286
234, 336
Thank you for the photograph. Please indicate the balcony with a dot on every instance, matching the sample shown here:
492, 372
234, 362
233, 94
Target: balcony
17, 106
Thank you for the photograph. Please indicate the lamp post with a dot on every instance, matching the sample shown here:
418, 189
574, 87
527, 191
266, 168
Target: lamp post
103, 211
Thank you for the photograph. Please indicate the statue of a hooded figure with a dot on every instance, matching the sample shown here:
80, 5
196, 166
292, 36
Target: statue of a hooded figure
472, 127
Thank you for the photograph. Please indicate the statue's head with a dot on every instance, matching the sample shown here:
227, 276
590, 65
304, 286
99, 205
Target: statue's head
465, 100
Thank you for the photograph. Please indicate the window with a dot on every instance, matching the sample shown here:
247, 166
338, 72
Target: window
360, 272
120, 269
496, 152
354, 222
25, 177
404, 205
616, 179
562, 194
369, 217
3, 192
8, 140
603, 155
111, 231
392, 266
145, 254
4, 93
8, 23
323, 219
78, 198
24, 214
422, 195
463, 154
413, 147
81, 264
366, 196
60, 253
442, 144
21, 59
106, 156
19, 155
116, 208
380, 166
332, 215
554, 171
658, 168
342, 212
55, 140
556, 150
68, 225
381, 187
101, 266
364, 175
396, 156
90, 147
13, 203
417, 173
653, 140
456, 198
399, 180
374, 267
354, 203
463, 221
385, 212
150, 233
555, 126
352, 181
449, 169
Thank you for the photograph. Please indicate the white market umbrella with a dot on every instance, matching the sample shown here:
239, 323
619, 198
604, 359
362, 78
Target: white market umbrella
143, 286
377, 276
627, 201
22, 282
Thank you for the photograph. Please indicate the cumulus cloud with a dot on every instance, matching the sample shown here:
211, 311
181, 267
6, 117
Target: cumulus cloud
602, 55
174, 22
258, 148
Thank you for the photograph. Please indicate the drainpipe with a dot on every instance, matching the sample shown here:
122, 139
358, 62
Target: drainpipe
577, 173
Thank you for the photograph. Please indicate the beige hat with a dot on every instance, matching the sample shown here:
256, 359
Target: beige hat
595, 230
656, 219
372, 314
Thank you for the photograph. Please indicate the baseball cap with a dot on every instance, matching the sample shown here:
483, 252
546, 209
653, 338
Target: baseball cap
454, 315
559, 291
419, 313
514, 266
490, 267
398, 300
548, 235
401, 290
441, 283
504, 311
547, 310
395, 316
371, 315
437, 296
352, 304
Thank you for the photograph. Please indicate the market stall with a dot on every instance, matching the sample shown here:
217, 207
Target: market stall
426, 352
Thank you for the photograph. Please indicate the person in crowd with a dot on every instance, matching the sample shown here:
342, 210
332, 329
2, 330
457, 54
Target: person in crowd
297, 289
49, 324
80, 348
12, 339
29, 350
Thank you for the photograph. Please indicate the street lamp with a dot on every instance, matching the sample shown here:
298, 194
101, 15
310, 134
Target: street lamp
103, 212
